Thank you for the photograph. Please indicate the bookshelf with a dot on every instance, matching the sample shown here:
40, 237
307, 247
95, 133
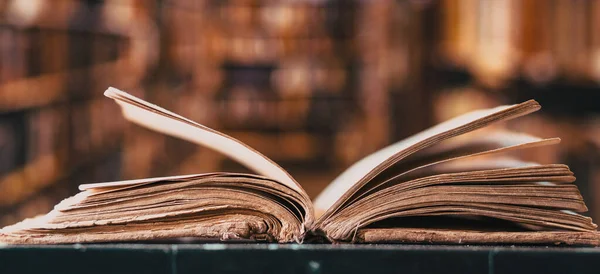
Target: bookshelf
56, 59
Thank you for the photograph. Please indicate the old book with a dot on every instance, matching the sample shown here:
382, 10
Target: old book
448, 184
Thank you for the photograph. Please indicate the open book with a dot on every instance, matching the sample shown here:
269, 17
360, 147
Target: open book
447, 184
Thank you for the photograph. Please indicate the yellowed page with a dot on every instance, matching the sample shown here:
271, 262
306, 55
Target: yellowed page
118, 184
164, 121
364, 170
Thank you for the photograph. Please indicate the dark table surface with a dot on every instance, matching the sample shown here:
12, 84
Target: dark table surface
315, 258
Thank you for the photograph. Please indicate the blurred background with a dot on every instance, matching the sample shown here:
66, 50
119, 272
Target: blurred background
313, 84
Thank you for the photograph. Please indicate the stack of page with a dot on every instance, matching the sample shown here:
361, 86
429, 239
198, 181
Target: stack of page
449, 184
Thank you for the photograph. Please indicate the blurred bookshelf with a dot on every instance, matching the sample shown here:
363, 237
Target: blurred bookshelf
314, 85
56, 58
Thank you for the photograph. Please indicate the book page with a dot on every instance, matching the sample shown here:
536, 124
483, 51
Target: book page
164, 121
127, 183
495, 143
366, 169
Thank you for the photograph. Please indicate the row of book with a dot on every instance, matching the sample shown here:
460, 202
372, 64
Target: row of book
56, 128
540, 40
312, 72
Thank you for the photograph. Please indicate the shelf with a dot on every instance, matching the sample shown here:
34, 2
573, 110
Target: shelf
70, 16
47, 89
46, 171
274, 258
26, 181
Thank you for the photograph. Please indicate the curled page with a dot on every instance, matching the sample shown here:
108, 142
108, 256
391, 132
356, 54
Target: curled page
164, 121
366, 169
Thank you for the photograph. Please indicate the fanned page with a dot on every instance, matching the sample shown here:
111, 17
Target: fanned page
167, 122
269, 206
366, 169
451, 184
164, 121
